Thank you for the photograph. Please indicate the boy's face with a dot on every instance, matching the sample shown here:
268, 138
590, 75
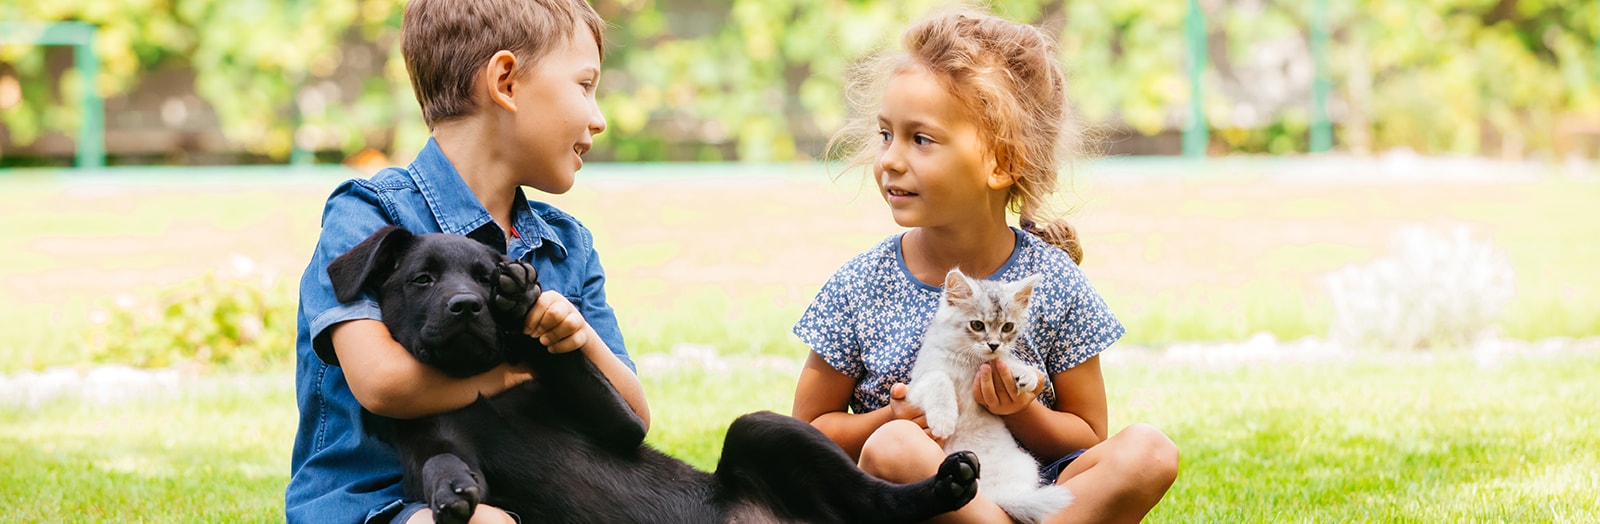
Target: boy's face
557, 116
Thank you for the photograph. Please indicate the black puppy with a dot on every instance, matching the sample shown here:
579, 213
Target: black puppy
566, 447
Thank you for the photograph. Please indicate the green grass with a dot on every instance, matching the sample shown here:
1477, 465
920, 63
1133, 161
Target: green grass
1377, 438
717, 262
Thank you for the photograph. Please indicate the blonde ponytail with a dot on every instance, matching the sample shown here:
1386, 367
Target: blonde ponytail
1058, 233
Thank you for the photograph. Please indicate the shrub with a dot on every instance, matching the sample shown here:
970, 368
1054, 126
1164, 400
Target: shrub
238, 320
1435, 289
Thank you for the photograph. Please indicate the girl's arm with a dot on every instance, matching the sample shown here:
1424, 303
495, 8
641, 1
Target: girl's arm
387, 380
1078, 421
822, 398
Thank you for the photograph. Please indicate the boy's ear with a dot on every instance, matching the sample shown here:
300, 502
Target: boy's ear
499, 79
369, 263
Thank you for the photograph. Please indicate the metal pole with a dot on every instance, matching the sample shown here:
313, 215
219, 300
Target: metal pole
92, 135
1194, 30
1321, 126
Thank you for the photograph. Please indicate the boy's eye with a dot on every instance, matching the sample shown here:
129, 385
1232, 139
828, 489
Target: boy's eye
921, 140
422, 280
976, 325
885, 136
1006, 327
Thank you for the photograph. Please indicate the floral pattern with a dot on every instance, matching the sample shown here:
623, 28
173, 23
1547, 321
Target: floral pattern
868, 319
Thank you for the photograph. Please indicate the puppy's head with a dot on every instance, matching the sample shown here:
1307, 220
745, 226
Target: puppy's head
435, 291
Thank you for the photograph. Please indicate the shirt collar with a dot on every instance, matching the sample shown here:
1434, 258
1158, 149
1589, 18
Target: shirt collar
459, 212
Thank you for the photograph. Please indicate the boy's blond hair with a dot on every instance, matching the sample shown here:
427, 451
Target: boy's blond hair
445, 42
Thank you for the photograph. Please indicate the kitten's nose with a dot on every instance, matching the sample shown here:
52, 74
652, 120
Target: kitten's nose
994, 346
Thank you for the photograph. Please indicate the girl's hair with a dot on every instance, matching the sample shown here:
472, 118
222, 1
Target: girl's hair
1007, 78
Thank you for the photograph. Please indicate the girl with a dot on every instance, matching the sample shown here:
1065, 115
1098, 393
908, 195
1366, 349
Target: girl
969, 122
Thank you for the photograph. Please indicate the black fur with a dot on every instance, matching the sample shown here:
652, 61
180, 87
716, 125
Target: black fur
566, 447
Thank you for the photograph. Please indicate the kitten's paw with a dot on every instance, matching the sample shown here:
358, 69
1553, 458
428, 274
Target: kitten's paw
1025, 378
957, 480
941, 427
515, 289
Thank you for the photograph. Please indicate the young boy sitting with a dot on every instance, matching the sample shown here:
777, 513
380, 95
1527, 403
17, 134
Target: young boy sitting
507, 87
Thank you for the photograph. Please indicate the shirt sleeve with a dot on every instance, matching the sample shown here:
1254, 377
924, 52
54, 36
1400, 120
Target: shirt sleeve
352, 213
591, 303
828, 325
1078, 323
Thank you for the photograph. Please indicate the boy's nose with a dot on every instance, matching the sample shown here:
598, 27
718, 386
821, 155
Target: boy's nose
597, 122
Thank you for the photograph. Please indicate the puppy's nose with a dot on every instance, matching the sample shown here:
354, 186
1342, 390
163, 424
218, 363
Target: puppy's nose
465, 304
994, 346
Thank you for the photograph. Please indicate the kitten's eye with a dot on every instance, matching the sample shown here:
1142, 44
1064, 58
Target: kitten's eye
422, 280
1006, 327
976, 325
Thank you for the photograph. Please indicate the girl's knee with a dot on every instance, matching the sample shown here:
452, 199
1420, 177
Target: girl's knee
899, 451
1146, 454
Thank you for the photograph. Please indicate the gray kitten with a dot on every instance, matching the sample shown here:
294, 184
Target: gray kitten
978, 321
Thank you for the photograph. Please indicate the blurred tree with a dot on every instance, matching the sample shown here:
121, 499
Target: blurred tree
762, 79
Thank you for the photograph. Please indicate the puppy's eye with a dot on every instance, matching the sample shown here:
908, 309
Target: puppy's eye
1006, 327
422, 280
976, 325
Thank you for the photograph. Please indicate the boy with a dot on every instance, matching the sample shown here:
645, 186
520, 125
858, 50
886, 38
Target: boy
507, 88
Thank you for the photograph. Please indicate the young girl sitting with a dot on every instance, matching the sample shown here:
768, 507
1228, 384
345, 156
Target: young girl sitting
971, 121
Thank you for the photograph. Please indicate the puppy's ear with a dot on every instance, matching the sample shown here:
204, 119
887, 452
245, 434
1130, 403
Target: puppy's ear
369, 263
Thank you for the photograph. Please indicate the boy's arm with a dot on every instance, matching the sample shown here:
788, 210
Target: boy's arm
387, 380
1078, 420
561, 328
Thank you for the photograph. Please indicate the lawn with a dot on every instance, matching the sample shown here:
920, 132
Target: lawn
715, 262
1369, 438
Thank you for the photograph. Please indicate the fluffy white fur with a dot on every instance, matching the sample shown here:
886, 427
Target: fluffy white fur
953, 348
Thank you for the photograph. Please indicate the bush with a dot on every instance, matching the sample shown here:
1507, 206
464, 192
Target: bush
1435, 289
236, 320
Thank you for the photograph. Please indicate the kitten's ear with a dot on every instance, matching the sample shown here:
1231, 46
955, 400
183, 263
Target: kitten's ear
1023, 289
957, 287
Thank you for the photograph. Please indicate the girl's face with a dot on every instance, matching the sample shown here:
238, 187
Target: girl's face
933, 167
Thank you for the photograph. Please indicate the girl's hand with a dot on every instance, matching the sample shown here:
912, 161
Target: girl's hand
556, 323
996, 390
904, 410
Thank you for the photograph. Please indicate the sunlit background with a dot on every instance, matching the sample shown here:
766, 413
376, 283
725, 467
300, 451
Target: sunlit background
1354, 242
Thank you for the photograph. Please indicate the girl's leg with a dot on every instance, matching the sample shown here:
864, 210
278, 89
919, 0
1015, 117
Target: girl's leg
900, 452
1119, 480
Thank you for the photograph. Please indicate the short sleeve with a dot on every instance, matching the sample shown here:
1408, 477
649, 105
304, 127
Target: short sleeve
1077, 322
352, 213
591, 303
827, 325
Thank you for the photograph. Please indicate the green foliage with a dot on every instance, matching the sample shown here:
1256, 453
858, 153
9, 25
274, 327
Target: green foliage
762, 79
229, 322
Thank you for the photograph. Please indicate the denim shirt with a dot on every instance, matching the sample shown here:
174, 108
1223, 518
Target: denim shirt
339, 472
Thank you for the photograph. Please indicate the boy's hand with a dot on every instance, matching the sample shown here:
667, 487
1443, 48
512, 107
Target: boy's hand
996, 389
556, 323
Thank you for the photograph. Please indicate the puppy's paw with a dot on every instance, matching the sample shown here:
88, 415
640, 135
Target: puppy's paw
957, 480
515, 289
454, 501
